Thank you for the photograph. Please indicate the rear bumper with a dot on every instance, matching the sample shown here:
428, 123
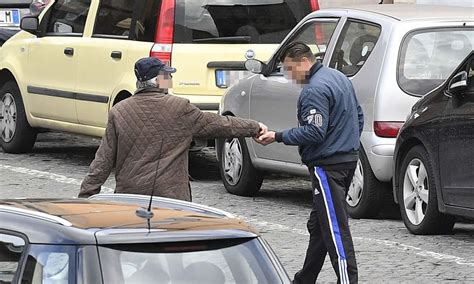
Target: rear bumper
380, 154
204, 103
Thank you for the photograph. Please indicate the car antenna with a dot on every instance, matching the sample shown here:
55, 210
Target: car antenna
147, 213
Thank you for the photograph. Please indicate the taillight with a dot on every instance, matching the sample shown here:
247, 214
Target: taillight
164, 32
388, 129
318, 29
314, 5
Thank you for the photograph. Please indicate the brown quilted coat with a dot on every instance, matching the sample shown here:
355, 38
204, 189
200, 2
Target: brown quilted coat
147, 140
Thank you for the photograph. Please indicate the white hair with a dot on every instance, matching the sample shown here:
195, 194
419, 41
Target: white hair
151, 83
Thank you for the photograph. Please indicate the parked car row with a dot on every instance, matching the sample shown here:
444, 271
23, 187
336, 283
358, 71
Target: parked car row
98, 41
393, 55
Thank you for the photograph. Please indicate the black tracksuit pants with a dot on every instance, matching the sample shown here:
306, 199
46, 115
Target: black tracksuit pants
328, 227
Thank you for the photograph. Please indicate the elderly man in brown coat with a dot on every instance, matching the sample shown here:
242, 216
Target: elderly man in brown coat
149, 134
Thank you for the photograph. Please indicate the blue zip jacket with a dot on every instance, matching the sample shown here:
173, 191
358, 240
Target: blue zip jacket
330, 119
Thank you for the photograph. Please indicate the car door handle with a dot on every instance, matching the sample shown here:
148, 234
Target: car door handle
69, 51
116, 54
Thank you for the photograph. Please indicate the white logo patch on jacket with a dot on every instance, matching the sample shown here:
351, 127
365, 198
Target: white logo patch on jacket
315, 118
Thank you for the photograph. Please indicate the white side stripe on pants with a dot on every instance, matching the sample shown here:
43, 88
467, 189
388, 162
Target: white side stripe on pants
343, 274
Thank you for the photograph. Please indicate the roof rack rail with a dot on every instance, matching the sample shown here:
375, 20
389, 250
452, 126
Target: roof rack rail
143, 200
35, 214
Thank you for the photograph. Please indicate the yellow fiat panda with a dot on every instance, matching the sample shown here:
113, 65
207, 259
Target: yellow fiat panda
71, 64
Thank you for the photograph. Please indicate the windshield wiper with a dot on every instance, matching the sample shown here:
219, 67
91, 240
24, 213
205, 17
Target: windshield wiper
230, 39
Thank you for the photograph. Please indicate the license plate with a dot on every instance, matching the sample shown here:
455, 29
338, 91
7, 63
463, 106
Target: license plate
227, 78
9, 18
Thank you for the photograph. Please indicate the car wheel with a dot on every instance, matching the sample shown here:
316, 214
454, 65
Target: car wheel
363, 199
16, 135
237, 172
418, 198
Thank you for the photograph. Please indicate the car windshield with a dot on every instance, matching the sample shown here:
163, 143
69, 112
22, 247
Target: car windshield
225, 261
237, 21
429, 57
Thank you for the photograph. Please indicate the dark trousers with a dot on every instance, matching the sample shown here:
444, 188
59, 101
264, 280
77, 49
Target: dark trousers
328, 228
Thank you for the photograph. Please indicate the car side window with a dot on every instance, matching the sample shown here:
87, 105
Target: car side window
11, 251
68, 16
114, 18
356, 43
316, 34
129, 19
50, 264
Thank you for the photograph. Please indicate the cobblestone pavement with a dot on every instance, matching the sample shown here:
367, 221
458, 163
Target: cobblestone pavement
385, 250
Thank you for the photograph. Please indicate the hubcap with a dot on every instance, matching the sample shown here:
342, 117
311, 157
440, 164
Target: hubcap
7, 117
415, 191
355, 190
233, 160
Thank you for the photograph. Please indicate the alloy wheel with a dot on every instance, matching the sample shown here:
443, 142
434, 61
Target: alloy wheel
415, 191
8, 117
233, 161
354, 194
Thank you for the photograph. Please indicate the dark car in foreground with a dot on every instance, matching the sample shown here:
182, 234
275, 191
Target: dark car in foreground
434, 156
104, 240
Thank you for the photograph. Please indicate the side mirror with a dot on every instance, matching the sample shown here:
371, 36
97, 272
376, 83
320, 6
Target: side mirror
254, 66
458, 83
30, 24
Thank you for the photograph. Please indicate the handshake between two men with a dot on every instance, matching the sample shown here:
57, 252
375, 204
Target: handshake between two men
265, 136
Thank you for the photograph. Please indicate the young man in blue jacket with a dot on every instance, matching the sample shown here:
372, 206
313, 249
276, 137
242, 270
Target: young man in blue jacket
330, 124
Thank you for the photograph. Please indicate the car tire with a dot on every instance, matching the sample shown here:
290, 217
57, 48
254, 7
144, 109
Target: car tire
16, 134
364, 197
237, 172
417, 195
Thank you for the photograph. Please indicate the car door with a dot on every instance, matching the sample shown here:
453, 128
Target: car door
12, 249
51, 72
113, 48
273, 98
456, 144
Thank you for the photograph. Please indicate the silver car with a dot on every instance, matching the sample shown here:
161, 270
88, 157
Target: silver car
393, 54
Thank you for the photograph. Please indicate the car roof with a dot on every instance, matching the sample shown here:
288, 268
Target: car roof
115, 221
409, 12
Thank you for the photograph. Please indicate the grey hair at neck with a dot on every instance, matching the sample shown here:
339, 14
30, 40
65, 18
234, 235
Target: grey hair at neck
147, 84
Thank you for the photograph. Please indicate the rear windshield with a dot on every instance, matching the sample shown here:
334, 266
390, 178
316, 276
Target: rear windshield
240, 261
237, 21
428, 57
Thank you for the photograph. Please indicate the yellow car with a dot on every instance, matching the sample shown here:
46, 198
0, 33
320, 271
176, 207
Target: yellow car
74, 61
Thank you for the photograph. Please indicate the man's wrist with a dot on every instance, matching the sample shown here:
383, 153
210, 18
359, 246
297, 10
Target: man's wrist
279, 137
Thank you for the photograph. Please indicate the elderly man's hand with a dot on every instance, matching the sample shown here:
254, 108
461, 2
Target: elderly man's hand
263, 129
267, 138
